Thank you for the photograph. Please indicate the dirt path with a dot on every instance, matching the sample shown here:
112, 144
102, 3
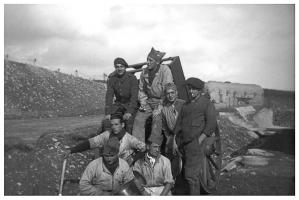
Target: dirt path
29, 130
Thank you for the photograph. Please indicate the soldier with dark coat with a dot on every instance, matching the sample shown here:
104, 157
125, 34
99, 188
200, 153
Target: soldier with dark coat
196, 121
124, 87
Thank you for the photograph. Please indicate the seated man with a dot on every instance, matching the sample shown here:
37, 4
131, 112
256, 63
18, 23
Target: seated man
106, 174
128, 143
171, 108
124, 87
156, 169
151, 86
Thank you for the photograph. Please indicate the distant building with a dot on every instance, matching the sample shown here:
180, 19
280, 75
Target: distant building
227, 94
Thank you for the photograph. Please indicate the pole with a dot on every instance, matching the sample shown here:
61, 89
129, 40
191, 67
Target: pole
62, 177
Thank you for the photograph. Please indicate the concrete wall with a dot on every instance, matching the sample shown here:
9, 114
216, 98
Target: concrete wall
227, 95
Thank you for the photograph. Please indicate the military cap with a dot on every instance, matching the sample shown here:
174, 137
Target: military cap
111, 147
195, 83
156, 55
120, 61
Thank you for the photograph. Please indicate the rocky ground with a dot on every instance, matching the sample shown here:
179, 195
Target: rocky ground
35, 92
36, 170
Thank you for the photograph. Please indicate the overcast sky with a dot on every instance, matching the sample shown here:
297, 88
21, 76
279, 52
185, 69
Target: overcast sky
238, 43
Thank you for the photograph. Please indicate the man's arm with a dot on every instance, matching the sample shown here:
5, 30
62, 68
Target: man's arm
109, 97
134, 95
142, 96
210, 115
168, 179
167, 77
90, 143
166, 189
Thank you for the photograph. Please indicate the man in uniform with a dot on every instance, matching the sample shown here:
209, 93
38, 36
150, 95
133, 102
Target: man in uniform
124, 87
128, 143
151, 91
156, 169
106, 174
171, 108
196, 121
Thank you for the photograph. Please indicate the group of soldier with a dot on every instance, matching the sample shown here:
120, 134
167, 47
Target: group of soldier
184, 125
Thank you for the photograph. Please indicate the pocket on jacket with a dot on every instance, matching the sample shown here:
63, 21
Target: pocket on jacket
197, 122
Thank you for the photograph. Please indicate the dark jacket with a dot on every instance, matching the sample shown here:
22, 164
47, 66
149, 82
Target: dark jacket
125, 90
196, 118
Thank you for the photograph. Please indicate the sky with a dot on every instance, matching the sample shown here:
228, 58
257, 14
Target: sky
247, 43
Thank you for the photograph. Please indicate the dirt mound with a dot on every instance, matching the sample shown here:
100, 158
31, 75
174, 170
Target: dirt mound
32, 91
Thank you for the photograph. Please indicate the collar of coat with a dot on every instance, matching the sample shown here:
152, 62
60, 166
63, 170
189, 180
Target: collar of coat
147, 160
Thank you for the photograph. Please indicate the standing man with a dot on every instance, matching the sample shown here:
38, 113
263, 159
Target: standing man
128, 143
124, 87
106, 174
151, 91
171, 108
156, 169
196, 121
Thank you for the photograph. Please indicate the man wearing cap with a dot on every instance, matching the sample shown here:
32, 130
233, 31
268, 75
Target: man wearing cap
151, 91
196, 121
171, 108
106, 174
128, 143
124, 87
156, 169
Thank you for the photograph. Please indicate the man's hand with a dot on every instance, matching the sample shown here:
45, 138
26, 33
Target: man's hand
107, 117
175, 149
156, 112
66, 153
201, 138
127, 116
145, 193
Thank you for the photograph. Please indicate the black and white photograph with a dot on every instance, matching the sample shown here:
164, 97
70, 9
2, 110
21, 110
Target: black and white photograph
149, 98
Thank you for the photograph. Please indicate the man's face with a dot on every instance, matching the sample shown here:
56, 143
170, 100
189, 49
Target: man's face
110, 159
116, 126
154, 149
171, 95
194, 92
120, 69
151, 63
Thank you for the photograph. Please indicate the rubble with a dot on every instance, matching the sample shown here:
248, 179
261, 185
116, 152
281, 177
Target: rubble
35, 92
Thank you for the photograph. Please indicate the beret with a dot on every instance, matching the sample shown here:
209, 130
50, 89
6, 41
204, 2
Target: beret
120, 61
195, 83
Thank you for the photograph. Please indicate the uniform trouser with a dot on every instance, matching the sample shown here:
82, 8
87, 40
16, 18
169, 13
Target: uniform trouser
192, 166
139, 124
128, 123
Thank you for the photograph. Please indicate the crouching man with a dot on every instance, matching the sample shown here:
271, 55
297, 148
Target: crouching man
128, 143
106, 174
156, 169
